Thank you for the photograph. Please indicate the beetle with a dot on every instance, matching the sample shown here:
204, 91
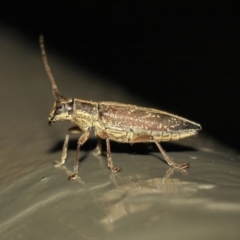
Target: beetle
114, 121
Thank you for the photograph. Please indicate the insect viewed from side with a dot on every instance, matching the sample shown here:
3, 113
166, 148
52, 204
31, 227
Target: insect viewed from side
118, 122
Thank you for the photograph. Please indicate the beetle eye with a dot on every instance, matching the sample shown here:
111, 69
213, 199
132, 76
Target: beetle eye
60, 108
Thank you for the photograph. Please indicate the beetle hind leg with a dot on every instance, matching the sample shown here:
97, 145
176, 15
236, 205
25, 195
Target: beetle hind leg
169, 160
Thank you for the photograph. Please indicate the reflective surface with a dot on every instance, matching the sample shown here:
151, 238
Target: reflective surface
146, 200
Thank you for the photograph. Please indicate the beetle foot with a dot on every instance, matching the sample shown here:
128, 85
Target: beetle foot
73, 177
116, 169
57, 163
97, 151
181, 166
185, 165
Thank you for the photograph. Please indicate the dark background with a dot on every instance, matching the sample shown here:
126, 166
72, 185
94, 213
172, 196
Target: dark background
183, 58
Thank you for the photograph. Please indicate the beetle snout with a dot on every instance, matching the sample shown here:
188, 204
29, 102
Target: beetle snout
50, 122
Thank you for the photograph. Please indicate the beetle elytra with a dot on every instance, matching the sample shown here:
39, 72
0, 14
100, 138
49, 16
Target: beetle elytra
117, 122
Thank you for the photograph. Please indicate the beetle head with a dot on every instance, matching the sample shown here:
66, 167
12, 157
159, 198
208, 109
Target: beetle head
61, 111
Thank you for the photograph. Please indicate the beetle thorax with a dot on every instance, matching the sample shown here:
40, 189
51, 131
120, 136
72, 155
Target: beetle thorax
85, 113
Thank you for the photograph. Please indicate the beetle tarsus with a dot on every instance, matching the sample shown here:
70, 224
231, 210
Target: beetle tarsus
185, 166
98, 150
57, 163
180, 166
116, 169
73, 177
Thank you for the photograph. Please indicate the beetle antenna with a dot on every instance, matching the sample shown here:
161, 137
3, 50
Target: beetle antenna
57, 95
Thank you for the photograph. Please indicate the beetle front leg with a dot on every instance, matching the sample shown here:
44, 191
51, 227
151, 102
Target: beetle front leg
72, 130
104, 135
170, 161
80, 142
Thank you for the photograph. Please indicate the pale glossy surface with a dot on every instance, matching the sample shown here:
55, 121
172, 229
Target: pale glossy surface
144, 201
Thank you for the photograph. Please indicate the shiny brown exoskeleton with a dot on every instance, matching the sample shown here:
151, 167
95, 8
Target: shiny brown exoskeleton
117, 122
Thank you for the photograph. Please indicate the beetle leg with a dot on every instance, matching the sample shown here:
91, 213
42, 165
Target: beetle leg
170, 161
98, 149
73, 130
84, 137
104, 135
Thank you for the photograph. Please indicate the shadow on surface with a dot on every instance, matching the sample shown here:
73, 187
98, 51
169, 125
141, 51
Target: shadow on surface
137, 148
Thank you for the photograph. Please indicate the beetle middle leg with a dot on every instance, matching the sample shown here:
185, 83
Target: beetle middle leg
83, 138
170, 161
104, 135
98, 149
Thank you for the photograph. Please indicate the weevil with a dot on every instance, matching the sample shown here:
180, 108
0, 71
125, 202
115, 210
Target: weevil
114, 121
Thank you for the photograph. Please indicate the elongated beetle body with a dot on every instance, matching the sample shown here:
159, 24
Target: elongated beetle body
117, 122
